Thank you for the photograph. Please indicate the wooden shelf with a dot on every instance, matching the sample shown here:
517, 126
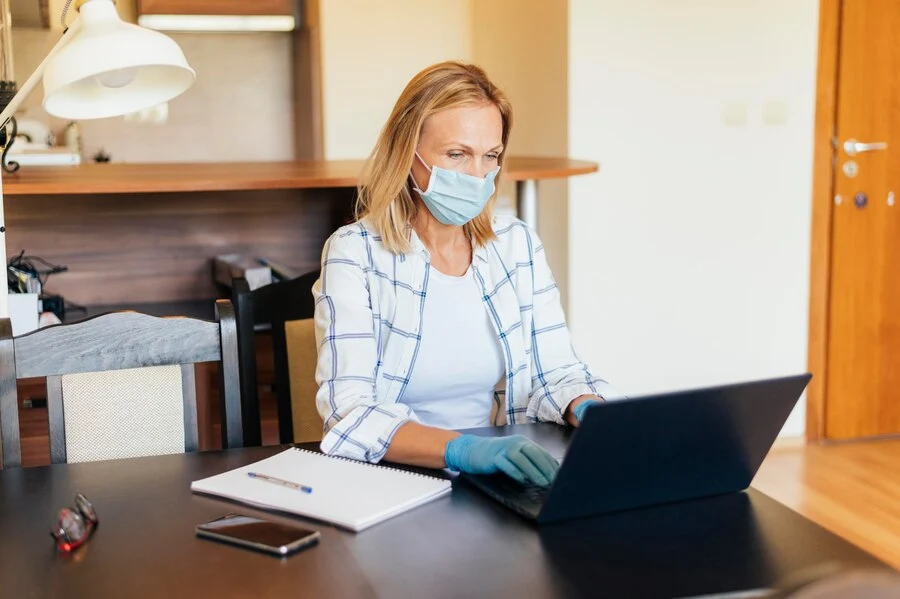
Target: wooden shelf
521, 168
169, 178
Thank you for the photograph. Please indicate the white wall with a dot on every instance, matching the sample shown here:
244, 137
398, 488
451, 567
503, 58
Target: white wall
689, 250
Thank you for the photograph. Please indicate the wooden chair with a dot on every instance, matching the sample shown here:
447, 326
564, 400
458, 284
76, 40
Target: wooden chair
120, 384
270, 306
303, 353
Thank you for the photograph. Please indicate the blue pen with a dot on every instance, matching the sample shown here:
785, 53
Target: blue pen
280, 481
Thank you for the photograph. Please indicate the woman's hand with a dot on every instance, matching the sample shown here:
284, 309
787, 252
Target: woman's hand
576, 410
518, 457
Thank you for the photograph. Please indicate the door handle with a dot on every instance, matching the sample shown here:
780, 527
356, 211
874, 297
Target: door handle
853, 147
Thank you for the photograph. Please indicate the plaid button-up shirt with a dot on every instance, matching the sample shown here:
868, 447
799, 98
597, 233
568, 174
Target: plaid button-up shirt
369, 306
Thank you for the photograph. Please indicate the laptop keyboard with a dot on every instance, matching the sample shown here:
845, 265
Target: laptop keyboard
534, 493
527, 499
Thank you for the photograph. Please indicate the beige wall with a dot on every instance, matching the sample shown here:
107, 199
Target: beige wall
27, 13
369, 52
534, 76
239, 109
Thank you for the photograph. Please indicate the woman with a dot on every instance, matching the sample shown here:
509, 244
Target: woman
431, 313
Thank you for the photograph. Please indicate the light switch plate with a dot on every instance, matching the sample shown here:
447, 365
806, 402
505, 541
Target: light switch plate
775, 113
734, 114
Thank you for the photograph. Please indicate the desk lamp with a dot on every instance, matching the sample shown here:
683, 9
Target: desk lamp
101, 67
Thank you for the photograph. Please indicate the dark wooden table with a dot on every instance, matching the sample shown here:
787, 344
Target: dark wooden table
463, 545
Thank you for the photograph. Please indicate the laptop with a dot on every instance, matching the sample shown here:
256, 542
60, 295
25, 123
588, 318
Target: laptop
656, 449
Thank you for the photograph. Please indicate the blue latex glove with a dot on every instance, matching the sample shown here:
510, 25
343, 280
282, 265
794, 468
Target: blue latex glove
581, 408
515, 456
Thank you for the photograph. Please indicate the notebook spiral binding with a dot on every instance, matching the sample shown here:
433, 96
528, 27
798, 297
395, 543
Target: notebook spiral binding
339, 457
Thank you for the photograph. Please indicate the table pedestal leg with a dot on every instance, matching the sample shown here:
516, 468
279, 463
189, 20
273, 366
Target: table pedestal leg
527, 202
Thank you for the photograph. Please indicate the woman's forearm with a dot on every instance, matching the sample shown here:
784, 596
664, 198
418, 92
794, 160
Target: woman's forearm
420, 445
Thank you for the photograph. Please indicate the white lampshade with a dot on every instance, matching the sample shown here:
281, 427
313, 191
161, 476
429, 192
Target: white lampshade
110, 67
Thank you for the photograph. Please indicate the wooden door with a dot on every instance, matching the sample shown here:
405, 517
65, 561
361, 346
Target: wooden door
862, 390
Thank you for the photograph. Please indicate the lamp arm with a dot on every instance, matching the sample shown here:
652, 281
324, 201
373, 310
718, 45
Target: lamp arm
7, 113
35, 77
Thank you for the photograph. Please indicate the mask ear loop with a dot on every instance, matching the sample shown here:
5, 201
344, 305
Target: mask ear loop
421, 160
413, 179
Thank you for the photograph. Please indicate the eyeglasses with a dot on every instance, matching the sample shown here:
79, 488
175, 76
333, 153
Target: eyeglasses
75, 525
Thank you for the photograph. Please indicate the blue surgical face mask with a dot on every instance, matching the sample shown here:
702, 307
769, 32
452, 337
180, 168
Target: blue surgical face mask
455, 198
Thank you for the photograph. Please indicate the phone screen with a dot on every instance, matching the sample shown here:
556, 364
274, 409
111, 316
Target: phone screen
255, 531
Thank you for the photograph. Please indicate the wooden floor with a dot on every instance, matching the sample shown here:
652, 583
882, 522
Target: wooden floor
852, 489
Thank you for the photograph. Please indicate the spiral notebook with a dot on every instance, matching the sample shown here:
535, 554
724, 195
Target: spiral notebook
350, 494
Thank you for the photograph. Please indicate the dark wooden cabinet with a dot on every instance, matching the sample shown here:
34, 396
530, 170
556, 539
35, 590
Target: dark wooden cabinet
208, 397
142, 236
34, 429
216, 7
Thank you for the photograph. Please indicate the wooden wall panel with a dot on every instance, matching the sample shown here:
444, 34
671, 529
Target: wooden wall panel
309, 140
126, 248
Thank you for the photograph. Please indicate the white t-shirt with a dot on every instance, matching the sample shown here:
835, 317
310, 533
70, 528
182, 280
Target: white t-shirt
460, 359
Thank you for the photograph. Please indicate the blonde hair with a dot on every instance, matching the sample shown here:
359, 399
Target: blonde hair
384, 194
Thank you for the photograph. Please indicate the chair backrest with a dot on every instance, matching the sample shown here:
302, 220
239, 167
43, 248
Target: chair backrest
302, 352
94, 393
269, 306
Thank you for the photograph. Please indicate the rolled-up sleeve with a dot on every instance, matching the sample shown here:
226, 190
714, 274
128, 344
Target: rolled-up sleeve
558, 374
356, 424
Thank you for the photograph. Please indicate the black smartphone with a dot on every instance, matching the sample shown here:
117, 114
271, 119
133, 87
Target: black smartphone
255, 533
